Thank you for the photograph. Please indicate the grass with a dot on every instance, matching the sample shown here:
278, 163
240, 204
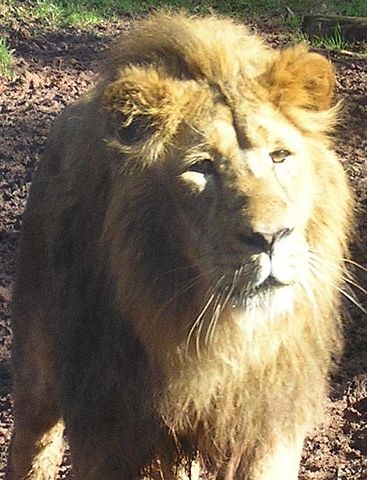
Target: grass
82, 13
357, 8
38, 14
6, 60
336, 41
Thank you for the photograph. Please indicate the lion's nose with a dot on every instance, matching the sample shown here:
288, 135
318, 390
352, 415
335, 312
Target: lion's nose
264, 241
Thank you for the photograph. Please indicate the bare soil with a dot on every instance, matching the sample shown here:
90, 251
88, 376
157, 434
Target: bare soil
56, 67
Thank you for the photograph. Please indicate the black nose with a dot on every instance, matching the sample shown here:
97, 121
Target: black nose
263, 240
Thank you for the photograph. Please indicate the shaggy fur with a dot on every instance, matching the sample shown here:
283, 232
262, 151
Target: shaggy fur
177, 295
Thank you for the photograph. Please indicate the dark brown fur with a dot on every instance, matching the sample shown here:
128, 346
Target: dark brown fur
125, 242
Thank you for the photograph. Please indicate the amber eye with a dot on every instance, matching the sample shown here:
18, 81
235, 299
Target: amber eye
204, 166
278, 156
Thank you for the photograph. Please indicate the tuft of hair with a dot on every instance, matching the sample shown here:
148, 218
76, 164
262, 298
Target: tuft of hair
189, 47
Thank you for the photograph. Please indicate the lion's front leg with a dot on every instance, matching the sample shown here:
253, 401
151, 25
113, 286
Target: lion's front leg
281, 462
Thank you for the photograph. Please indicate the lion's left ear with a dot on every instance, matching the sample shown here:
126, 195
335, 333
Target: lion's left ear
301, 79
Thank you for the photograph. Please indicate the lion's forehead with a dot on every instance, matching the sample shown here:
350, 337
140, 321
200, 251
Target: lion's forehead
262, 127
222, 134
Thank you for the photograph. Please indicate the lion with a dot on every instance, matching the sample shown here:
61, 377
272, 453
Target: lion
177, 298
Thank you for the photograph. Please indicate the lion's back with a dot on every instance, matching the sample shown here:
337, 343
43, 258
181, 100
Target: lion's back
58, 251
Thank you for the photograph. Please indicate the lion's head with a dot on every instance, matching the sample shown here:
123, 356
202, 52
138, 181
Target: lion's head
240, 203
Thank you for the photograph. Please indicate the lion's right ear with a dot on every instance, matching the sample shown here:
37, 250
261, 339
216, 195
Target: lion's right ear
132, 130
134, 101
301, 79
148, 106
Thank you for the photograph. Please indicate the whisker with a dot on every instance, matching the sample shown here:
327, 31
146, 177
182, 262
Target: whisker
356, 285
199, 323
210, 331
311, 297
198, 320
217, 308
213, 324
317, 272
350, 298
190, 284
355, 264
175, 270
340, 259
341, 268
346, 276
232, 286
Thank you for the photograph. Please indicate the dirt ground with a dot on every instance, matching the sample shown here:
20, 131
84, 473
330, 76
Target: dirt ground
54, 68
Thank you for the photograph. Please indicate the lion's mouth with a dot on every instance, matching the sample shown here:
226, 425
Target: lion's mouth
270, 283
262, 291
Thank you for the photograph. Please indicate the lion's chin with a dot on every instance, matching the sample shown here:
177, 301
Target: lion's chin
267, 302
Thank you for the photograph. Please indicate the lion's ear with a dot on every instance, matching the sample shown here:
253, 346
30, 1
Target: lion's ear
139, 102
147, 105
301, 79
134, 129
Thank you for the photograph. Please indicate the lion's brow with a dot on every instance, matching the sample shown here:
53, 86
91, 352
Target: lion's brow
224, 94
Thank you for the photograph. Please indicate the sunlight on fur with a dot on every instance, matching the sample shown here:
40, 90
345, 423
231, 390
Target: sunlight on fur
183, 255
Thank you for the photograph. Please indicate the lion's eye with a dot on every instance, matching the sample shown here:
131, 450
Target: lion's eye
204, 166
278, 156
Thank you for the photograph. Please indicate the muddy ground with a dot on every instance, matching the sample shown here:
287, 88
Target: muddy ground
54, 68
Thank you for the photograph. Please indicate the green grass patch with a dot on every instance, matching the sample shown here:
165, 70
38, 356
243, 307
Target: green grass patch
353, 8
55, 13
6, 60
89, 12
335, 41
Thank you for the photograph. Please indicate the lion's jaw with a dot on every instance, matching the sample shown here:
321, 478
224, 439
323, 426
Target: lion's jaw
261, 289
